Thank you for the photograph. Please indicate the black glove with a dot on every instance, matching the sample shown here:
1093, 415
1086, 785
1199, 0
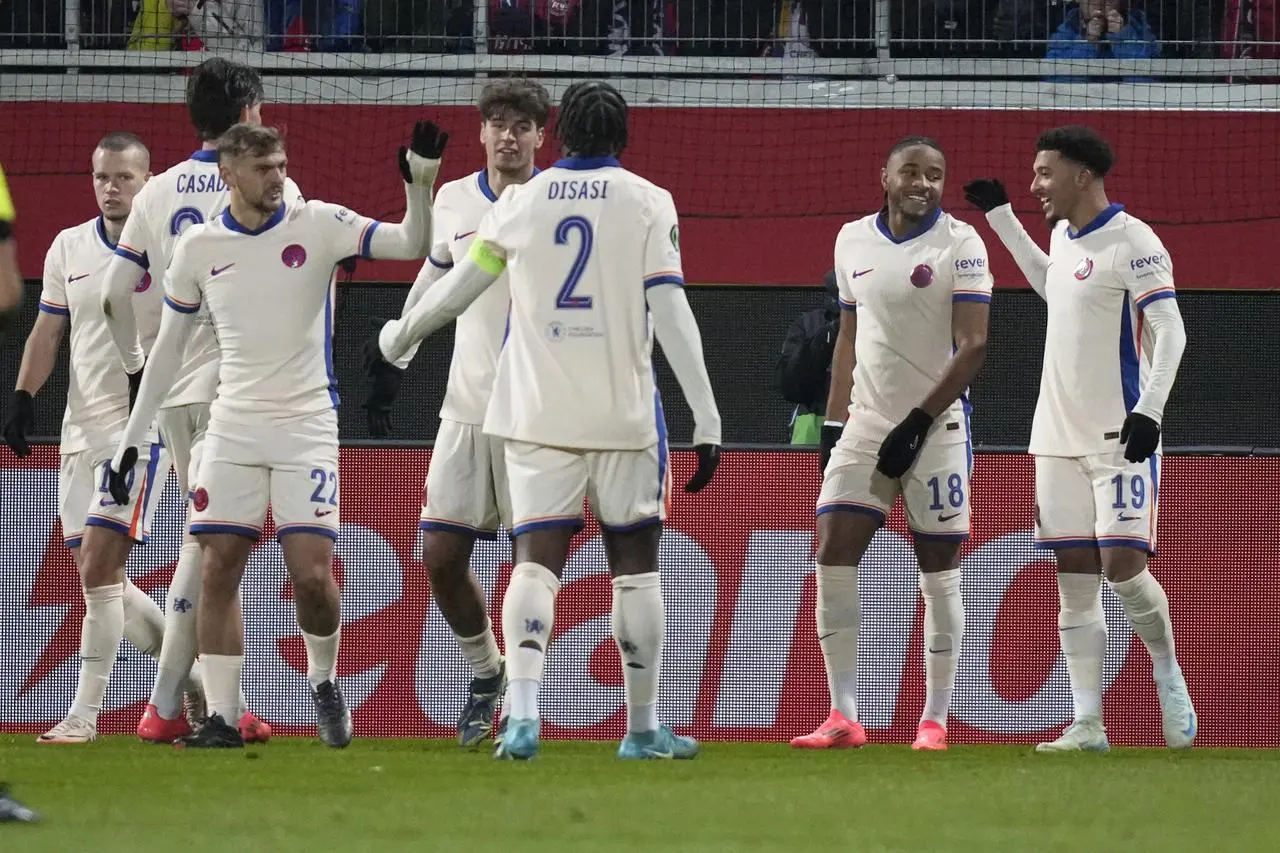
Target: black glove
21, 421
708, 459
118, 481
385, 378
428, 142
135, 382
1140, 436
903, 444
986, 193
831, 431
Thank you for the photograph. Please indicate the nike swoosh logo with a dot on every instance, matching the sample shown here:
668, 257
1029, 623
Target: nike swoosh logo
461, 236
107, 502
948, 517
1128, 518
653, 753
219, 270
323, 513
76, 278
859, 274
1190, 730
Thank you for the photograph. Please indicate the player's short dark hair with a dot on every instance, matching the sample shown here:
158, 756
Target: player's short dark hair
526, 98
592, 121
1081, 145
123, 140
249, 140
912, 141
217, 91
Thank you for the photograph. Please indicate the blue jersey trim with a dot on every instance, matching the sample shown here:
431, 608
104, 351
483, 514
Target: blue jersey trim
101, 228
230, 221
1098, 221
971, 297
882, 225
583, 164
1129, 367
181, 309
663, 279
205, 155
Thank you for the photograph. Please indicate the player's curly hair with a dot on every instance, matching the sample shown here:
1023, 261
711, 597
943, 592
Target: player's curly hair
518, 95
217, 91
1081, 145
592, 121
249, 140
913, 141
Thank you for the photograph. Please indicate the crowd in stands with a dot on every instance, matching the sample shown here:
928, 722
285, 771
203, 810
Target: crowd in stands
1057, 29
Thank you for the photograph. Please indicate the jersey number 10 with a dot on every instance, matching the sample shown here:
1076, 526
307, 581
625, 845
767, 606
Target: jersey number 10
566, 298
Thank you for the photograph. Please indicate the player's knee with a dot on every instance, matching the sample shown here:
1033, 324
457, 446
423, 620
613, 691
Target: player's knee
313, 584
937, 556
1123, 563
447, 557
102, 556
843, 537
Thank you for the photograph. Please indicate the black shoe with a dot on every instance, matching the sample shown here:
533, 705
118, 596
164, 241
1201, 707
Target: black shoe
333, 720
483, 697
213, 733
12, 811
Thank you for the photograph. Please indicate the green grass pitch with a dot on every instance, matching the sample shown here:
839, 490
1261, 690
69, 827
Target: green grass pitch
293, 794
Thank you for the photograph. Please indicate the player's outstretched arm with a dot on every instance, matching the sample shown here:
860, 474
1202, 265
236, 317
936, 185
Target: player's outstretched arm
989, 195
431, 272
120, 282
677, 331
444, 301
176, 325
410, 239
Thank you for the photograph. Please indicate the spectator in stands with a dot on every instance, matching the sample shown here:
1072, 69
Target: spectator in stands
221, 24
575, 27
803, 371
1104, 29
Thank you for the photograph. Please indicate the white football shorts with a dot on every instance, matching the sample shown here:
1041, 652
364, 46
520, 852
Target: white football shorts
84, 501
1101, 501
466, 489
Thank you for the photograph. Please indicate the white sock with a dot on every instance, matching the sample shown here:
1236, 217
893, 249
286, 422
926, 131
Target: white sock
838, 618
178, 653
639, 623
143, 621
943, 631
100, 635
222, 685
481, 652
1147, 607
322, 657
528, 611
1082, 632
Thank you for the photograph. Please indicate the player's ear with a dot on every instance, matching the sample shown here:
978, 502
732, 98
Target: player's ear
884, 178
542, 132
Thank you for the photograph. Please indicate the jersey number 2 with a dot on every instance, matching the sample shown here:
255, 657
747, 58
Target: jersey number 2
565, 298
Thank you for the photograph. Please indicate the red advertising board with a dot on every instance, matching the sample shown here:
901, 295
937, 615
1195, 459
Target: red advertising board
742, 661
762, 192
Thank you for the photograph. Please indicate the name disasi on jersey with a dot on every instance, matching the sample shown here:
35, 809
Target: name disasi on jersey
591, 188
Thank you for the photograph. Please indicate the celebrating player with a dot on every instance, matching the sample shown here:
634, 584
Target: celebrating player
916, 295
10, 278
466, 493
594, 252
99, 533
1096, 431
264, 271
219, 94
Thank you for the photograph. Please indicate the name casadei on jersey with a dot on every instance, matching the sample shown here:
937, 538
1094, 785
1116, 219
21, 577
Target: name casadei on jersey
903, 290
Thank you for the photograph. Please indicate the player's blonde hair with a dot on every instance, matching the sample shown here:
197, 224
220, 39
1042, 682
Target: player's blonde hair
249, 140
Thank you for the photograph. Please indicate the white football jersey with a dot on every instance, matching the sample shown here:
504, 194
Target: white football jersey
98, 389
459, 207
188, 194
583, 241
269, 294
1095, 356
903, 290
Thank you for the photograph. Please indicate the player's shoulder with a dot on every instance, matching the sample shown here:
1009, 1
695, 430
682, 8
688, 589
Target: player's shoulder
861, 228
1137, 233
77, 235
450, 192
957, 230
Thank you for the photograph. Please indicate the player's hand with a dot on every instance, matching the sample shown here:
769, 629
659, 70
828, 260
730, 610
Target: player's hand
420, 161
986, 194
135, 382
117, 484
20, 423
903, 444
1140, 436
831, 431
1115, 21
708, 459
385, 378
